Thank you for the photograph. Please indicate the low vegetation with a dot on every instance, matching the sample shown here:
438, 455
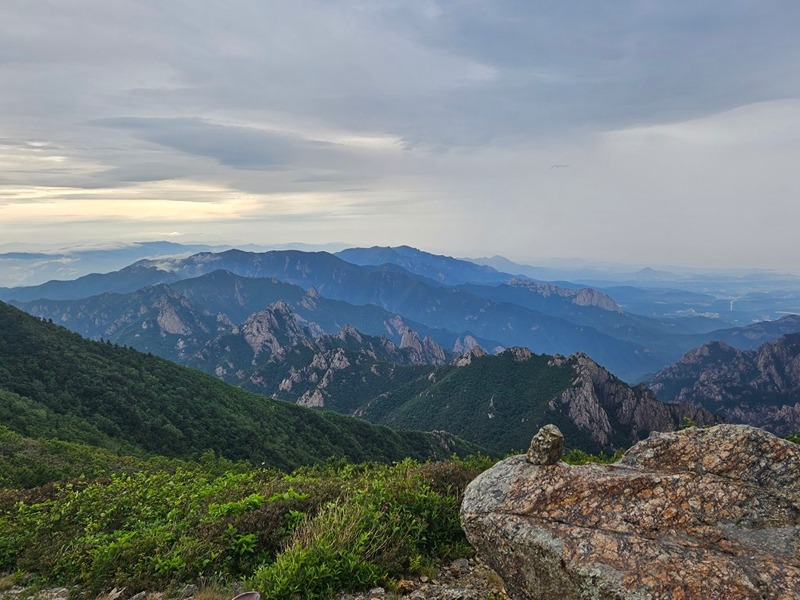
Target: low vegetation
317, 530
86, 517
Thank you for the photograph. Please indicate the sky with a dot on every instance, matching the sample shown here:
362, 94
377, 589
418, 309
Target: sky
639, 132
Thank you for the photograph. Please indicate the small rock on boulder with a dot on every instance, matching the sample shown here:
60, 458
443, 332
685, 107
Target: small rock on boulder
700, 513
547, 446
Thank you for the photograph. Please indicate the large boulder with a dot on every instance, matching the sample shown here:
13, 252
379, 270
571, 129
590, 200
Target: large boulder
695, 514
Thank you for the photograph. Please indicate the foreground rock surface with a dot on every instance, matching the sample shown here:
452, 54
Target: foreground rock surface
712, 514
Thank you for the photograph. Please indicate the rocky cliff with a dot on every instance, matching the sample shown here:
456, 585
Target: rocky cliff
499, 401
580, 297
759, 387
614, 414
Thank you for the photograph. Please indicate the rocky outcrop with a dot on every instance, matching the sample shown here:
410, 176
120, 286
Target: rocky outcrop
581, 297
592, 297
422, 352
518, 353
612, 413
468, 356
756, 387
337, 371
269, 330
464, 344
546, 446
700, 513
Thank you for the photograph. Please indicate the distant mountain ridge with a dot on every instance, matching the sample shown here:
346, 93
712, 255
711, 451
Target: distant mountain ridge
392, 288
443, 269
546, 317
758, 387
190, 312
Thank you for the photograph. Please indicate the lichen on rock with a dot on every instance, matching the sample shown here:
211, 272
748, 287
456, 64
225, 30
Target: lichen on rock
547, 446
700, 513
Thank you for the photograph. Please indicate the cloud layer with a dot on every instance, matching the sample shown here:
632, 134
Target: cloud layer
434, 123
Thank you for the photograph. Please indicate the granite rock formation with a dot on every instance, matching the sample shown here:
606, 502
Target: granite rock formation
757, 387
612, 413
699, 513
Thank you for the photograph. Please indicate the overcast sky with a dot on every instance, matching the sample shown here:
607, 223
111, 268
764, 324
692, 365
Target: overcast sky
631, 131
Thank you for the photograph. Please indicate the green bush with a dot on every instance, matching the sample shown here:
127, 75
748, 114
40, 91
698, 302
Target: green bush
378, 529
324, 528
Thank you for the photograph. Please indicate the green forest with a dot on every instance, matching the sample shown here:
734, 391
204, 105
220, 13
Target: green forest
55, 384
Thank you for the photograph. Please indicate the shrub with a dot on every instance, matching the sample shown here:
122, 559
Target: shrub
321, 529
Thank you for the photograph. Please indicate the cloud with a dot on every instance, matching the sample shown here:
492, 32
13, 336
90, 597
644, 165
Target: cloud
422, 121
233, 146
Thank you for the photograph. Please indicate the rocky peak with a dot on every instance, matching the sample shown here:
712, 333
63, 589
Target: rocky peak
411, 340
518, 353
592, 297
464, 344
422, 352
606, 408
348, 332
309, 299
272, 328
467, 357
758, 387
175, 314
715, 351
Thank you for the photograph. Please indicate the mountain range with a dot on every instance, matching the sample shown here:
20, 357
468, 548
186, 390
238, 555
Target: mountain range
398, 342
759, 387
430, 294
55, 384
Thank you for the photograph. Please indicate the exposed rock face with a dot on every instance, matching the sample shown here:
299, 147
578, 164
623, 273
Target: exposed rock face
467, 357
757, 387
611, 412
711, 514
422, 352
592, 297
519, 353
272, 328
464, 344
581, 297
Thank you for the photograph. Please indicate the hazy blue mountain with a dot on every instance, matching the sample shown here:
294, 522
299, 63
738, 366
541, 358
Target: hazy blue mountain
733, 296
23, 268
187, 314
129, 279
396, 290
751, 336
435, 306
443, 269
547, 318
34, 264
